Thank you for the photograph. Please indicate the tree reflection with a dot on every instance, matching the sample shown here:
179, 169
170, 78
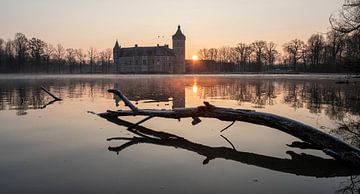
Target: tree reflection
299, 164
349, 131
351, 185
324, 95
336, 101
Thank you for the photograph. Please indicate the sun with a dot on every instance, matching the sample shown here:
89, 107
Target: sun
195, 58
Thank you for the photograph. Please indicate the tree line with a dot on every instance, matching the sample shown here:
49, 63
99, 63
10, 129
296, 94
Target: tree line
33, 55
331, 52
335, 51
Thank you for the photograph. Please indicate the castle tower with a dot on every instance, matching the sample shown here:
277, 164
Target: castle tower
179, 49
116, 53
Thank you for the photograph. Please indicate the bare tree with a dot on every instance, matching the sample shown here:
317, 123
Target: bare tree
271, 53
347, 20
244, 52
9, 52
294, 50
21, 47
204, 54
49, 51
59, 55
2, 53
81, 58
92, 54
105, 57
71, 58
335, 46
213, 54
37, 50
315, 46
259, 49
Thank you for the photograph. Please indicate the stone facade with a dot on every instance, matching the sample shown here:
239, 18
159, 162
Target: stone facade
156, 59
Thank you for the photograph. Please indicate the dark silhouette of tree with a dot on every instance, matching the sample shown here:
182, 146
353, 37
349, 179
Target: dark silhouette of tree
335, 45
315, 47
10, 56
105, 57
259, 50
59, 54
92, 54
21, 47
49, 51
294, 50
71, 58
204, 54
81, 59
352, 59
270, 53
2, 55
213, 54
244, 53
347, 20
37, 51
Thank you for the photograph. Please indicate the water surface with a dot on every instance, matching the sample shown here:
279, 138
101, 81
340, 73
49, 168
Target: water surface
61, 148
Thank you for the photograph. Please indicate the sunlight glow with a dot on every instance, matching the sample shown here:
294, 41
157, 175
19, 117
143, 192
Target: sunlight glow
195, 87
195, 58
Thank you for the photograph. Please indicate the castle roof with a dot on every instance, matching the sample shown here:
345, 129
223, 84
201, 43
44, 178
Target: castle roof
117, 44
179, 34
147, 51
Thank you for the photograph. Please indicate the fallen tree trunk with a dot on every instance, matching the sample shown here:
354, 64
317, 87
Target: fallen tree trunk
328, 144
298, 164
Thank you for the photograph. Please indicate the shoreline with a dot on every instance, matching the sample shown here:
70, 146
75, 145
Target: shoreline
334, 76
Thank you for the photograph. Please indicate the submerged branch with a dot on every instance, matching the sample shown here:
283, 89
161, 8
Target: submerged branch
52, 95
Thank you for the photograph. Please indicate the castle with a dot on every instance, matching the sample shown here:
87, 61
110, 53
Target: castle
156, 59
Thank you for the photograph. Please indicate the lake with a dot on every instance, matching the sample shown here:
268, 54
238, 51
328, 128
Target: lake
61, 147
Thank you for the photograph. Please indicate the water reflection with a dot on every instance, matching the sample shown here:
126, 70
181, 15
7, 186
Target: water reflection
84, 147
299, 164
318, 96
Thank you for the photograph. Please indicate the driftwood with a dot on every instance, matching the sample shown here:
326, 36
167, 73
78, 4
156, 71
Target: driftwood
328, 144
299, 164
50, 94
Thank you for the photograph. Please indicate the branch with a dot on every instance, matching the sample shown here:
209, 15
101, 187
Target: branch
226, 139
231, 124
299, 164
52, 95
330, 145
125, 99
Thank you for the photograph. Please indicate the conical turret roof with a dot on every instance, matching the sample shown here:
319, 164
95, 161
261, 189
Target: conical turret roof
117, 44
179, 34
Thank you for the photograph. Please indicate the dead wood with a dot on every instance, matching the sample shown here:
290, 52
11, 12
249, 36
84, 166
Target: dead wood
330, 145
298, 164
52, 95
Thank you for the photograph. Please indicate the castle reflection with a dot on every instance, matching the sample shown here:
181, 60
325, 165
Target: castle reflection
317, 96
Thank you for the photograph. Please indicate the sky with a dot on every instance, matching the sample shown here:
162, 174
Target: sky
206, 23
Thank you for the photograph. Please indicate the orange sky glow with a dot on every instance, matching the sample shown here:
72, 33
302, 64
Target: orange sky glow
206, 23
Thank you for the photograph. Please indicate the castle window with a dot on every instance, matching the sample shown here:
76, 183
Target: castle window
144, 62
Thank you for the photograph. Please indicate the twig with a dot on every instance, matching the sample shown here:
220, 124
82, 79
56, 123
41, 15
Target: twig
228, 127
226, 139
125, 99
52, 95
